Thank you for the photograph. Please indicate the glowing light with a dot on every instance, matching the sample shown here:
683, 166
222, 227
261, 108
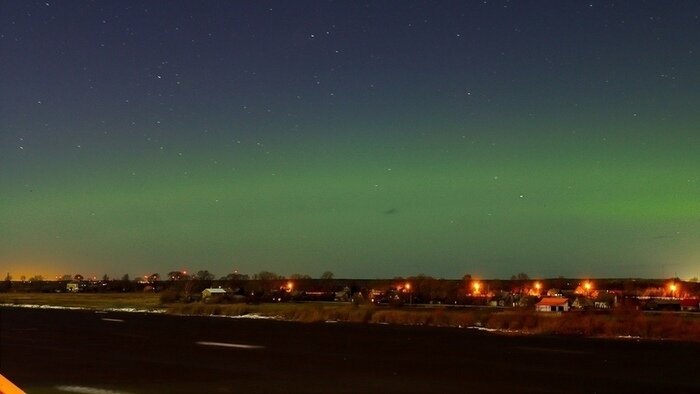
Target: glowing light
476, 286
290, 286
407, 286
538, 286
673, 288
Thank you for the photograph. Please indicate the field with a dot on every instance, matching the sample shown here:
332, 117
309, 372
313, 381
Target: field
85, 300
621, 323
633, 324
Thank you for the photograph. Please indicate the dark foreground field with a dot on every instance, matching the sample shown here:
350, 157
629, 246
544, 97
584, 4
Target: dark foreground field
56, 351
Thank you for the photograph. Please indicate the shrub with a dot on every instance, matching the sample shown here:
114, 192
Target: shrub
169, 296
617, 323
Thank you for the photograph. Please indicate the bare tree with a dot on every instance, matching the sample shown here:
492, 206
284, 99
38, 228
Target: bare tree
237, 276
266, 276
204, 275
520, 276
7, 284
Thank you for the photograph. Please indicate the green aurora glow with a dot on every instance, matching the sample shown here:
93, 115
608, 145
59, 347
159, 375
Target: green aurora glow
548, 173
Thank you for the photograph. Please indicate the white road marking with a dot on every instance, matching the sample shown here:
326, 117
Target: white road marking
101, 312
233, 345
88, 390
114, 320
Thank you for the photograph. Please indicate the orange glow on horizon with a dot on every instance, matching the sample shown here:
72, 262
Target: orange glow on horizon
27, 269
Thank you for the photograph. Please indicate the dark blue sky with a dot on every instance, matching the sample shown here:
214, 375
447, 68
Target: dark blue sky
548, 137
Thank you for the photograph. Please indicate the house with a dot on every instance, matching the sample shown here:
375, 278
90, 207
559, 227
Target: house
73, 287
663, 304
582, 303
206, 293
552, 304
690, 304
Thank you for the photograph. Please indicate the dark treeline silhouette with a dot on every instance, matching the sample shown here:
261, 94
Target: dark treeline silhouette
266, 286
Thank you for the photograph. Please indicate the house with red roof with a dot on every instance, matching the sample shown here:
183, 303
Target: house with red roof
552, 304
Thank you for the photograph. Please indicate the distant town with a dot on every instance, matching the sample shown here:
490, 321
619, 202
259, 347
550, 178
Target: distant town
543, 295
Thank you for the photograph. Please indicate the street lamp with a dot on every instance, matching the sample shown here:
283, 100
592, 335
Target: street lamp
538, 287
476, 286
407, 287
587, 285
673, 287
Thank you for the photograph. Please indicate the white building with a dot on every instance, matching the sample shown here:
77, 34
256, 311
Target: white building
552, 304
206, 293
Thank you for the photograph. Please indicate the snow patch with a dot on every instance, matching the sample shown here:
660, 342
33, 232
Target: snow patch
81, 308
252, 316
135, 310
478, 328
42, 306
628, 337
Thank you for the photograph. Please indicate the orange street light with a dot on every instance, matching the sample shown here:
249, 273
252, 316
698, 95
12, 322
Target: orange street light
587, 286
673, 287
407, 287
290, 286
538, 288
476, 286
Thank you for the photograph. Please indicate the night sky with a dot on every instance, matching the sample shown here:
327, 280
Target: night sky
373, 139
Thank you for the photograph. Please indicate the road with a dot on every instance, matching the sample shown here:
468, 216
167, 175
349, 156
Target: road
45, 351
